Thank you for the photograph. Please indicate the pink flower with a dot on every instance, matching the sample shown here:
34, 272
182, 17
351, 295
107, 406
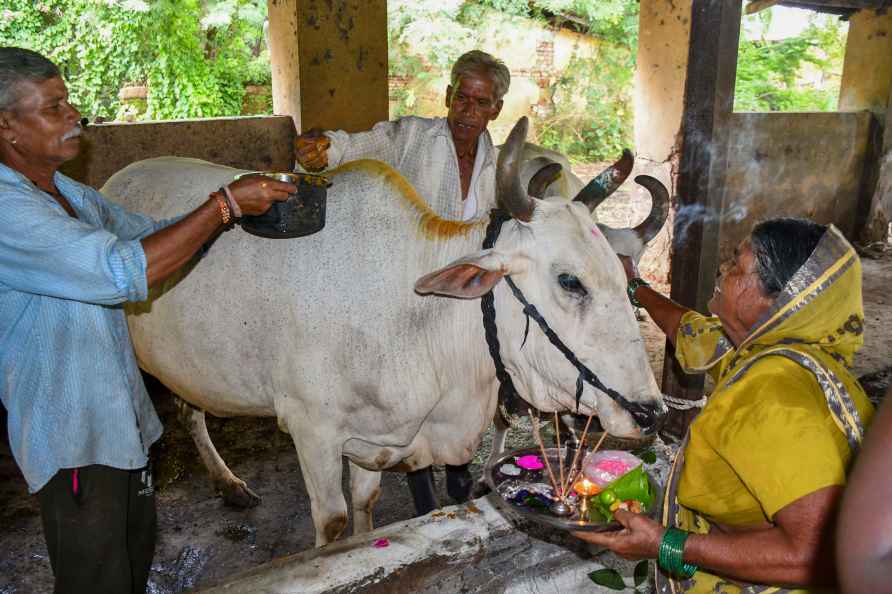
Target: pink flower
530, 462
614, 467
381, 543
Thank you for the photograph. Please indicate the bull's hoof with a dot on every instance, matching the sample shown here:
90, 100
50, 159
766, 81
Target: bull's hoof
238, 494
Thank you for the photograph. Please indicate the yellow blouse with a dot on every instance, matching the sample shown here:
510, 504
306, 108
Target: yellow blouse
762, 443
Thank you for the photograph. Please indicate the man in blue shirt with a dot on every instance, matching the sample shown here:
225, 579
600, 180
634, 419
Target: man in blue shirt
80, 421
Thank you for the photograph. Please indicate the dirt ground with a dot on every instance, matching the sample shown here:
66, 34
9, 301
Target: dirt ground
201, 541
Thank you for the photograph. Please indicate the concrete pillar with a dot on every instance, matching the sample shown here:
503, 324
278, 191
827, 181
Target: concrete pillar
705, 129
867, 71
336, 75
283, 55
664, 28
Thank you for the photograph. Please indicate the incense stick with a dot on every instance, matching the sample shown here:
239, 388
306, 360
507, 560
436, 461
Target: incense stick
574, 472
579, 470
581, 444
538, 437
557, 433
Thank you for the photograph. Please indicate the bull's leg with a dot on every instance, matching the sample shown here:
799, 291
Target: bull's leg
320, 454
421, 485
365, 489
459, 482
234, 490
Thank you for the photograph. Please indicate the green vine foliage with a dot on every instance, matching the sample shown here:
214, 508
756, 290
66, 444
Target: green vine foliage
195, 56
601, 125
589, 115
770, 73
615, 21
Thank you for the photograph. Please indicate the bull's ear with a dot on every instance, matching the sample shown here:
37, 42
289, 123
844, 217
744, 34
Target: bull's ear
470, 277
624, 242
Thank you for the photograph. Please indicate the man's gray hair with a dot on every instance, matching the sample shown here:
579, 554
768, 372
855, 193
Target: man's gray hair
18, 65
476, 61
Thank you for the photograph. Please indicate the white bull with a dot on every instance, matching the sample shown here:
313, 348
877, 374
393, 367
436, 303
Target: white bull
331, 335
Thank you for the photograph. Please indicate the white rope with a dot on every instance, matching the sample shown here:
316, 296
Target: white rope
684, 404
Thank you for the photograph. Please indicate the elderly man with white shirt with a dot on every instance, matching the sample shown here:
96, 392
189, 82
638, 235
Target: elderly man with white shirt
450, 161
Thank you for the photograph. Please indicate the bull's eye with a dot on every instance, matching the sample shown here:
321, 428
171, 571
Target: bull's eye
571, 283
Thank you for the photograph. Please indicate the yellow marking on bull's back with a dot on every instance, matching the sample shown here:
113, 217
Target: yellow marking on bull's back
431, 225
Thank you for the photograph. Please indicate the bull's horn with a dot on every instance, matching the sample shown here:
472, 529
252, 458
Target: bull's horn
606, 182
509, 188
659, 209
547, 175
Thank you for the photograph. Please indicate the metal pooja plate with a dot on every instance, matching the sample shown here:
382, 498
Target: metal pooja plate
505, 485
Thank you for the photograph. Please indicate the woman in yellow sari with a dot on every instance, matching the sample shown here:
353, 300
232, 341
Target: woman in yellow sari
752, 497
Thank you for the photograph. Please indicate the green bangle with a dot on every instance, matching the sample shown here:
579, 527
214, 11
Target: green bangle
634, 285
672, 553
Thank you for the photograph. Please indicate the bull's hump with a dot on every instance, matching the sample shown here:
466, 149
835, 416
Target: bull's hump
432, 225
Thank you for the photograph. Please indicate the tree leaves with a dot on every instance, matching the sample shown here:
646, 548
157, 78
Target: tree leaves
648, 455
772, 74
191, 70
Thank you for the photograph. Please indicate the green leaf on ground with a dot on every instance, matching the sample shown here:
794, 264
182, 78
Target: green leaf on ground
640, 572
608, 578
646, 454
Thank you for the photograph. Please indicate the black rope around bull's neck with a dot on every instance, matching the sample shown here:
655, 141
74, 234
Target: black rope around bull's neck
509, 402
508, 397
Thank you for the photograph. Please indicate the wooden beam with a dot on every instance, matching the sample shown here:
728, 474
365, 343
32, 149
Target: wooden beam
759, 5
708, 103
887, 128
853, 4
837, 6
870, 175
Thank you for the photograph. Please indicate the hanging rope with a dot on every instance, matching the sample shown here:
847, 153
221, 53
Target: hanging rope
509, 403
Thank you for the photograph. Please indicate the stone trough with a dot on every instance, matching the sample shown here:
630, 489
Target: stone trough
474, 547
480, 547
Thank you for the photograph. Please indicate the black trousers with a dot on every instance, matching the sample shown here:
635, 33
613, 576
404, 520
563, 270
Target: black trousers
99, 524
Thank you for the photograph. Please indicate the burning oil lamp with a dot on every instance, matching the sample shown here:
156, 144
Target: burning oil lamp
586, 490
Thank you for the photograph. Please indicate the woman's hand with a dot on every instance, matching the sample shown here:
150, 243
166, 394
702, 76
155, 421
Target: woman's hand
256, 193
639, 538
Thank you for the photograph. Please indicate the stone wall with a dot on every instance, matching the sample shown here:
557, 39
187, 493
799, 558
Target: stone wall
256, 143
793, 164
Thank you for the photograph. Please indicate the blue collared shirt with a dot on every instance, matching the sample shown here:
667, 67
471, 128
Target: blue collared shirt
70, 382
